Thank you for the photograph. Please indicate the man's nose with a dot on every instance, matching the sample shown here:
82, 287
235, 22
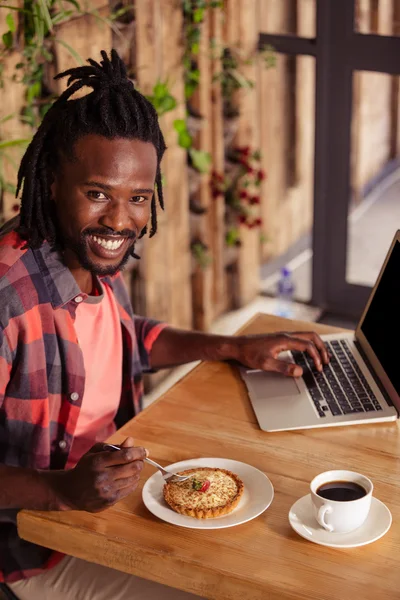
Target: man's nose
117, 216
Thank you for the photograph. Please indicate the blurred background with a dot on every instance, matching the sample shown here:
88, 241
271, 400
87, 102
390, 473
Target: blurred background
282, 121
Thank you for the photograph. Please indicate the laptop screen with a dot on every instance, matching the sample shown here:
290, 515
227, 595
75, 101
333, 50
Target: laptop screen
381, 324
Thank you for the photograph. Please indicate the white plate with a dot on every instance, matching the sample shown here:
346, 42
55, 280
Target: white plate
257, 495
302, 520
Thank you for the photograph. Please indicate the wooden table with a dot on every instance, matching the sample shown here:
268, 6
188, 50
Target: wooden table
208, 414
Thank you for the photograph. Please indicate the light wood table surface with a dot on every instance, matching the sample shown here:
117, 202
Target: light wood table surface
208, 414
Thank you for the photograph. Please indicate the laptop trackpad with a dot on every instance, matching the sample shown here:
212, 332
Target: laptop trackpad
272, 385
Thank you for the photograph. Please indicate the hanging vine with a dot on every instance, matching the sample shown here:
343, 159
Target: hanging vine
33, 31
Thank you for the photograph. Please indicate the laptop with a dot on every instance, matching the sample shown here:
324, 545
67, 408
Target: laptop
362, 382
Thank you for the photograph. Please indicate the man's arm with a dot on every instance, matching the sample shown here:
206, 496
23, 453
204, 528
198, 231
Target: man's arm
27, 488
100, 479
175, 347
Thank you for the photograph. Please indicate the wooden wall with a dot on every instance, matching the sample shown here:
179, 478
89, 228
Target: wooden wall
287, 130
375, 122
276, 116
164, 270
12, 100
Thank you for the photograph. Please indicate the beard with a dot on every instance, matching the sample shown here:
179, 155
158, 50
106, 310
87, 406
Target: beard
80, 248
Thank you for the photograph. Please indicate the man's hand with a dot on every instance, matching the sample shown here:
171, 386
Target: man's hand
100, 479
262, 351
175, 347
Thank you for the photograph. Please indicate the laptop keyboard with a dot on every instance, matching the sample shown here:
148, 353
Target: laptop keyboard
341, 389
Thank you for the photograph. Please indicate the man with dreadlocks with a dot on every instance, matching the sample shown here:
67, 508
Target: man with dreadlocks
72, 353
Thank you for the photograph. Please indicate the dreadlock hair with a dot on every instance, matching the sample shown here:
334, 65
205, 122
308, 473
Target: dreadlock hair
113, 109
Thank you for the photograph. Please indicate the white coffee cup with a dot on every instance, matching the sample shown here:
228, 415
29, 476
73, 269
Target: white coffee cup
341, 516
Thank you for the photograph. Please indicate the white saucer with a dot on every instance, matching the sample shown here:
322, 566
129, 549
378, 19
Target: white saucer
302, 520
257, 496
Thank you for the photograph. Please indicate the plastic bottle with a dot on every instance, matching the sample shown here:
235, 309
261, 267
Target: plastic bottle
285, 292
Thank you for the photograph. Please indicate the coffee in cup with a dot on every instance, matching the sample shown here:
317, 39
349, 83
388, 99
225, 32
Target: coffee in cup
341, 500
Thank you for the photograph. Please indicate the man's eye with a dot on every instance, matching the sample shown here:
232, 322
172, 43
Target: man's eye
138, 199
97, 195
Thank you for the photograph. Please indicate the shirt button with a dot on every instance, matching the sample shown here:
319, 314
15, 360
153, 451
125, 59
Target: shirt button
78, 299
74, 396
62, 444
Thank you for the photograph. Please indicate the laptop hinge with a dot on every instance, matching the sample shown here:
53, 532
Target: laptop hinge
374, 375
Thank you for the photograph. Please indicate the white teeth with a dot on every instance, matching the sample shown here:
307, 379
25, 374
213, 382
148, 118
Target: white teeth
108, 244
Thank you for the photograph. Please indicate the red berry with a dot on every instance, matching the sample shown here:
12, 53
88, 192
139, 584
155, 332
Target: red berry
258, 222
205, 486
242, 219
261, 175
255, 200
15, 207
243, 194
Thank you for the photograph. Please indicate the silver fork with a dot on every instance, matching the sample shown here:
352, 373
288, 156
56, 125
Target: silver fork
168, 476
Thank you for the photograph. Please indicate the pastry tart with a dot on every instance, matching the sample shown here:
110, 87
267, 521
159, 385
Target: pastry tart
207, 494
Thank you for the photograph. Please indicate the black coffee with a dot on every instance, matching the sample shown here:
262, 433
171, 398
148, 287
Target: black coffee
341, 491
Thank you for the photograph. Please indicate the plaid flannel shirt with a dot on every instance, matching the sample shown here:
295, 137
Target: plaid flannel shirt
42, 376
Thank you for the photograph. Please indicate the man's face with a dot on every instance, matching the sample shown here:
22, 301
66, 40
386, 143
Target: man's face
103, 201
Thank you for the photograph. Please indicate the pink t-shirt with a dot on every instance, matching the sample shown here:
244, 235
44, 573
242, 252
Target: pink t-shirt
98, 328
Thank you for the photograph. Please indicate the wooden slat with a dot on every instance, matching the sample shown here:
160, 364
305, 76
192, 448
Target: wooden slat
272, 125
217, 208
177, 192
302, 215
165, 266
202, 279
209, 284
242, 32
149, 70
87, 35
12, 101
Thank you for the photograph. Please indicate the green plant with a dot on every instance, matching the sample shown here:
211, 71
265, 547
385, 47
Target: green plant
33, 26
268, 57
240, 189
194, 12
200, 160
232, 76
38, 21
232, 237
201, 254
161, 98
185, 140
6, 157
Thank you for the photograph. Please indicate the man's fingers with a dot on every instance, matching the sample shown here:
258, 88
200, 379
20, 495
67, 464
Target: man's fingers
112, 458
129, 470
96, 449
129, 442
280, 366
301, 345
314, 337
128, 482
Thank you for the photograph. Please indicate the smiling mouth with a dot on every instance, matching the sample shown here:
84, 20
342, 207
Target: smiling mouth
107, 243
108, 247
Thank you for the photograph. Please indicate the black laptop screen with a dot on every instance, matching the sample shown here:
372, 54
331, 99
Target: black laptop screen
381, 325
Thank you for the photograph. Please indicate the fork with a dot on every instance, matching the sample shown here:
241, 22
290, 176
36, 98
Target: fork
168, 476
